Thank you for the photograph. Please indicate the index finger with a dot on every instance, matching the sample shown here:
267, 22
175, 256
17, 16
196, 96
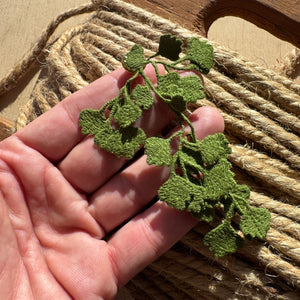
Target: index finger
56, 132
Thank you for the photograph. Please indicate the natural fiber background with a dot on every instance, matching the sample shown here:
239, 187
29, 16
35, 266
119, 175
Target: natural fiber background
261, 110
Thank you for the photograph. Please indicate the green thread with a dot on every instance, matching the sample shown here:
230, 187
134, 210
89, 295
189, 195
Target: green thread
200, 177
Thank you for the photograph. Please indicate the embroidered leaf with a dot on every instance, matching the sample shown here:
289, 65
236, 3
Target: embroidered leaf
177, 102
176, 192
200, 208
197, 203
91, 121
169, 46
179, 91
158, 152
223, 240
142, 96
255, 222
218, 180
192, 88
123, 142
134, 60
239, 196
127, 114
200, 54
189, 157
201, 179
207, 214
213, 148
191, 153
167, 84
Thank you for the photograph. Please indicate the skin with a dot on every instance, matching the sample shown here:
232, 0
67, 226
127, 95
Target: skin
61, 197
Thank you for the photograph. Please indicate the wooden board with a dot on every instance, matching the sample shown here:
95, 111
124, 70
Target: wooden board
281, 18
22, 22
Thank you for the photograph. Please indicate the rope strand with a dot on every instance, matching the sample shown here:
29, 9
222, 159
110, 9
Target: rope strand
23, 67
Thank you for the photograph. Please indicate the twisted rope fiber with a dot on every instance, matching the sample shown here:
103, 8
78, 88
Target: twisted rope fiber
193, 282
256, 252
238, 268
250, 133
189, 240
12, 79
263, 171
262, 85
255, 101
149, 288
138, 293
279, 77
215, 278
89, 65
242, 269
258, 106
291, 62
228, 59
287, 210
159, 283
275, 163
236, 107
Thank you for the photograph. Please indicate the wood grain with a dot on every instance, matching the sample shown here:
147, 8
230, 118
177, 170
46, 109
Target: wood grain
281, 18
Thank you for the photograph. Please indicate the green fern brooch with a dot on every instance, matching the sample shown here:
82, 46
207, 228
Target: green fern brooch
200, 178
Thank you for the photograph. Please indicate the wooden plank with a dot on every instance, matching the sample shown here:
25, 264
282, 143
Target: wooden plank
281, 18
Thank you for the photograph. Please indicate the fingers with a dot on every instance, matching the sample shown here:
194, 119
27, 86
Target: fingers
146, 237
129, 191
152, 232
56, 132
87, 167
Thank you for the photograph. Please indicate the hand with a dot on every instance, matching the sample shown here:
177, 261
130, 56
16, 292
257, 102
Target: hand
61, 198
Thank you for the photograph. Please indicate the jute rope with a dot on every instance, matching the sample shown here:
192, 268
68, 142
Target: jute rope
11, 80
290, 63
261, 110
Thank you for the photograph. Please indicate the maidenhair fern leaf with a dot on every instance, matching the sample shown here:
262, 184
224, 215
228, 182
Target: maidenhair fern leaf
158, 152
134, 60
218, 180
206, 214
239, 195
192, 88
91, 121
169, 46
213, 148
200, 54
167, 83
201, 179
179, 91
176, 192
123, 142
223, 240
142, 96
127, 114
255, 222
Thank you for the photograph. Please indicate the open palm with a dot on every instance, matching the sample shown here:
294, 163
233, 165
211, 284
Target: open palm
75, 221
